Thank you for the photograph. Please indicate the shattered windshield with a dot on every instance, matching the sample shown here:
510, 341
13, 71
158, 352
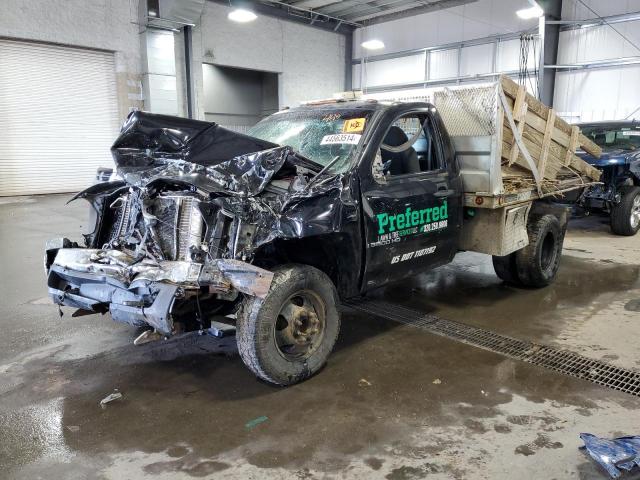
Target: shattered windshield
319, 135
612, 138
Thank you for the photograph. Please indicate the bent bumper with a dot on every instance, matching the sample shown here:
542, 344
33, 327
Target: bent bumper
140, 292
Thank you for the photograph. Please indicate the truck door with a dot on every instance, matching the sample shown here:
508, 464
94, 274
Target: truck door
411, 197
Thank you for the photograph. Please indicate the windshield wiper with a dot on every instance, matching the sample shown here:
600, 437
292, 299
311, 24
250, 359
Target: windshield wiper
327, 167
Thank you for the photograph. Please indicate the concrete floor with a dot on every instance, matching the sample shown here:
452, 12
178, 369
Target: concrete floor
393, 402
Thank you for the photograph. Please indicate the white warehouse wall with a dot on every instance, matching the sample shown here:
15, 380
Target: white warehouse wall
484, 18
159, 72
97, 24
310, 62
574, 10
479, 19
600, 93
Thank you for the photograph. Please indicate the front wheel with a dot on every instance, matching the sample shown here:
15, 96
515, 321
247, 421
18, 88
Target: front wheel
625, 216
288, 336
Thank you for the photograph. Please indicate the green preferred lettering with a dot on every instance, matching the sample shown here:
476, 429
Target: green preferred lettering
411, 218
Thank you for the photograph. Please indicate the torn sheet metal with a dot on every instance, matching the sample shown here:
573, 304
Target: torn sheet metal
246, 278
125, 269
245, 175
615, 455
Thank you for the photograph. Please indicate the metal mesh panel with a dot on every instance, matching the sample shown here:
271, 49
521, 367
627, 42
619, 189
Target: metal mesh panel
468, 111
562, 361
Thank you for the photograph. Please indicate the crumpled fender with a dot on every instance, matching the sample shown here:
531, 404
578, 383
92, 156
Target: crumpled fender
99, 189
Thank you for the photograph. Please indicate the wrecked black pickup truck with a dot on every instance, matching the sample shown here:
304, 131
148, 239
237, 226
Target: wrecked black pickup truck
267, 232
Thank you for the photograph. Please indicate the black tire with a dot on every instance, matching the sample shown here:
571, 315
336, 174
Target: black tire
625, 216
506, 268
283, 348
538, 262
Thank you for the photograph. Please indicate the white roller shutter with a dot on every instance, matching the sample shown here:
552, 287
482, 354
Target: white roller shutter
58, 117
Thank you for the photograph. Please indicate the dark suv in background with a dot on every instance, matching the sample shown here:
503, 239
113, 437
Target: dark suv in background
619, 194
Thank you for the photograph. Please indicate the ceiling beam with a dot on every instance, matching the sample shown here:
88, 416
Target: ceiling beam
283, 11
341, 6
400, 12
376, 6
311, 4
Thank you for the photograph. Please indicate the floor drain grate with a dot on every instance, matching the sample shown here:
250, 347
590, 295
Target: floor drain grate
562, 361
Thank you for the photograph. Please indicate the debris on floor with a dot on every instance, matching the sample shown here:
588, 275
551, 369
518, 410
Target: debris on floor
251, 424
116, 395
363, 382
615, 454
147, 336
437, 381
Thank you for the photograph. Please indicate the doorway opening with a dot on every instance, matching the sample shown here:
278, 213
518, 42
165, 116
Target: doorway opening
237, 98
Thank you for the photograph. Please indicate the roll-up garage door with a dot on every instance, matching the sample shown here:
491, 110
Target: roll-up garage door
58, 117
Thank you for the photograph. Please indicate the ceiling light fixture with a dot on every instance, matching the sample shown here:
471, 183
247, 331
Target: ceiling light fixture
373, 44
529, 13
242, 15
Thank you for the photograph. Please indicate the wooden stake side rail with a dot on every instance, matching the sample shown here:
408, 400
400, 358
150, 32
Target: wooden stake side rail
550, 140
542, 111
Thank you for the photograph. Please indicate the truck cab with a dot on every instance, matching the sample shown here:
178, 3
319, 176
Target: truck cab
403, 175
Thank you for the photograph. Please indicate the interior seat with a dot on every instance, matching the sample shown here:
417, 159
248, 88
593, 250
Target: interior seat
600, 138
402, 162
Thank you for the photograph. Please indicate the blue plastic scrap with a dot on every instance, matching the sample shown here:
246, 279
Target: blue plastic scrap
615, 454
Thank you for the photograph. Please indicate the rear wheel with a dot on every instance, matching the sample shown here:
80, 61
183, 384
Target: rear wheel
288, 336
537, 263
625, 216
506, 268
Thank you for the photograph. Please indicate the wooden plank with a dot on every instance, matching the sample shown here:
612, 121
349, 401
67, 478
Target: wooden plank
541, 110
540, 125
553, 167
519, 103
546, 142
533, 141
583, 167
519, 115
573, 144
514, 129
577, 164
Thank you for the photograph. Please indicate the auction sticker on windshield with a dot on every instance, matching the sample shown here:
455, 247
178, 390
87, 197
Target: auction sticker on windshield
355, 125
341, 138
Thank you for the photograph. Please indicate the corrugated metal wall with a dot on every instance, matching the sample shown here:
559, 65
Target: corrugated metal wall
598, 94
58, 117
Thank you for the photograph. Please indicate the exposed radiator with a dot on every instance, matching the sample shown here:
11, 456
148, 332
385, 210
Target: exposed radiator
122, 219
179, 224
190, 226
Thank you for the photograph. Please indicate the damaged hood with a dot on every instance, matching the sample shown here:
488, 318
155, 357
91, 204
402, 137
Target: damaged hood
161, 148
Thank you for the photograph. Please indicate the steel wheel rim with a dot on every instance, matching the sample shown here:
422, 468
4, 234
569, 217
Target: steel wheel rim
635, 212
300, 325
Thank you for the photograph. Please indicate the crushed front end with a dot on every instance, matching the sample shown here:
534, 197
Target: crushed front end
177, 236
